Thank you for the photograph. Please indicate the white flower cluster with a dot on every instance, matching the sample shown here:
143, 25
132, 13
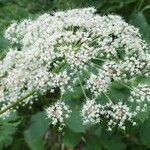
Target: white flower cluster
76, 49
91, 112
135, 66
146, 59
113, 70
140, 96
116, 114
58, 80
58, 113
98, 83
50, 51
119, 114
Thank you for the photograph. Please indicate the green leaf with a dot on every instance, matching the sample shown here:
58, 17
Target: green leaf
138, 20
92, 143
3, 45
34, 134
115, 144
7, 129
75, 95
111, 141
142, 80
18, 144
142, 116
144, 133
74, 122
118, 94
71, 139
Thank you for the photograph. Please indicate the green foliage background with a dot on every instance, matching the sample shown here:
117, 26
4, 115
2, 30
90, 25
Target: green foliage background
32, 132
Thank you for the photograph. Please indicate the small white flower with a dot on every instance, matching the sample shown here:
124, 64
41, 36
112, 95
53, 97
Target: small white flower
58, 113
113, 69
140, 96
98, 83
91, 112
118, 114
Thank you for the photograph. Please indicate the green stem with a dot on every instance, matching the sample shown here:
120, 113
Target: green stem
99, 59
140, 5
61, 97
82, 86
145, 8
126, 85
94, 65
17, 102
108, 97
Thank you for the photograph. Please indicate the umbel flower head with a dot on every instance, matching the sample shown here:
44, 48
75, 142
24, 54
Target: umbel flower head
58, 112
91, 112
57, 50
140, 96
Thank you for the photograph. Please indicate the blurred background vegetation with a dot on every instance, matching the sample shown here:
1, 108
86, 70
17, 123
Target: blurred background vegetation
136, 12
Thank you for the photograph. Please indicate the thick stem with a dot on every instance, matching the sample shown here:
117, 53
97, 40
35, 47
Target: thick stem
17, 102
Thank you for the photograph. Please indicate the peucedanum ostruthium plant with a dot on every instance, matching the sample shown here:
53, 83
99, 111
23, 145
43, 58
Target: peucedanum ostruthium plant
76, 47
